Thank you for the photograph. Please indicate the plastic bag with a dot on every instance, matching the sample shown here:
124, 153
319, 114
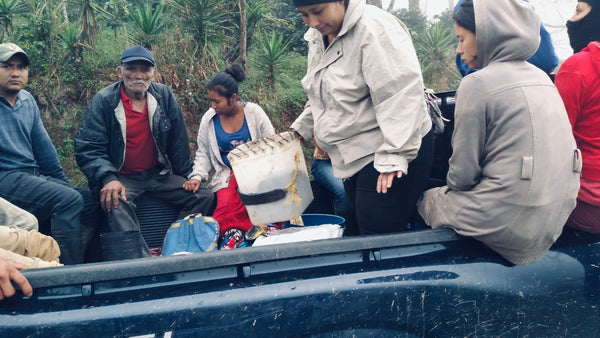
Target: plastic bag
435, 113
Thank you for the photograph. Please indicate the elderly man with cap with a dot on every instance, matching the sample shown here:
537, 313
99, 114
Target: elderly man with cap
30, 174
133, 140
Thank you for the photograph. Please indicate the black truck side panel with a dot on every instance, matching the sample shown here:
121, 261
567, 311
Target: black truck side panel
378, 286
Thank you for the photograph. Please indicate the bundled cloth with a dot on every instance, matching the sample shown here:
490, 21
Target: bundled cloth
301, 234
30, 248
10, 214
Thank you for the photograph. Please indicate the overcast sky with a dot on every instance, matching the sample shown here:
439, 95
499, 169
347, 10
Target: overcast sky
554, 14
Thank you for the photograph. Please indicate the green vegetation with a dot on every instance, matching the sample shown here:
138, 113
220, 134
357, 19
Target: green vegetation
148, 24
435, 44
74, 47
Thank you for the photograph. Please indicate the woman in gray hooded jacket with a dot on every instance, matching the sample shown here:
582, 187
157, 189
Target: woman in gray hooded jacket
514, 171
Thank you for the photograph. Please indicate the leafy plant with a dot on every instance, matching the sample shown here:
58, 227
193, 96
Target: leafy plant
113, 13
416, 21
37, 33
434, 45
71, 38
88, 23
210, 24
257, 11
8, 9
271, 56
434, 48
285, 19
149, 23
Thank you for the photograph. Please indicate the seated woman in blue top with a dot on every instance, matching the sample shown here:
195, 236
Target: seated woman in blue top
228, 123
544, 58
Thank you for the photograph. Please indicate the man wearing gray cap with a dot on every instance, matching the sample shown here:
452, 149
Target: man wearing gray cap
133, 140
31, 176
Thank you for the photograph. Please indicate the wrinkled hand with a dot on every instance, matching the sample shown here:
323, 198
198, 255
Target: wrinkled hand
191, 185
109, 195
9, 270
384, 182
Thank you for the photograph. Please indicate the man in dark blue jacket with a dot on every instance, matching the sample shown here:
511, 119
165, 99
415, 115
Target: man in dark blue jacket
133, 140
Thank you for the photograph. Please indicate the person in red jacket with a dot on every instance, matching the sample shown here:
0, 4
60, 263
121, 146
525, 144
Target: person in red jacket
578, 81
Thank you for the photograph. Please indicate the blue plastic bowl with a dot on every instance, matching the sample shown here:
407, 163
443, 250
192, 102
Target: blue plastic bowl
319, 219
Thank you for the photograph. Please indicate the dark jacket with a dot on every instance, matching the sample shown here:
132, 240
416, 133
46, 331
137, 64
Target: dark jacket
100, 145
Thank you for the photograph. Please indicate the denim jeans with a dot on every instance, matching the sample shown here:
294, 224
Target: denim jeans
323, 173
50, 199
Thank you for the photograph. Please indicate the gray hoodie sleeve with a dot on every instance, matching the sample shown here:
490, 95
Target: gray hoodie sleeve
469, 135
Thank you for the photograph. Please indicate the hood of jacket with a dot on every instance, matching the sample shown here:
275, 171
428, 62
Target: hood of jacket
507, 30
594, 49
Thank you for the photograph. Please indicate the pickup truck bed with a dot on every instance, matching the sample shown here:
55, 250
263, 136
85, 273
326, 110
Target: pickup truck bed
420, 283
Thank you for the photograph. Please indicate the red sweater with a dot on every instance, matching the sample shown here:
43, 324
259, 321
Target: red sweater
578, 81
140, 151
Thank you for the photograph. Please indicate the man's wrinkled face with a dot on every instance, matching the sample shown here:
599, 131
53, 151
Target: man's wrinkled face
137, 76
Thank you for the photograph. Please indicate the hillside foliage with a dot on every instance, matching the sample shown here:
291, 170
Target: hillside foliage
75, 45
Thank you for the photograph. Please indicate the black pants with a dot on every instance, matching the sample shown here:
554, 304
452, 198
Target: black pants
390, 212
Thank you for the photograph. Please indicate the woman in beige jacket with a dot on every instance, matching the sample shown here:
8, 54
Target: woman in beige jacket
514, 172
366, 109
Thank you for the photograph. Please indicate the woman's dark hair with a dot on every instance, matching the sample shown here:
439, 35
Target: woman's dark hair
465, 16
225, 83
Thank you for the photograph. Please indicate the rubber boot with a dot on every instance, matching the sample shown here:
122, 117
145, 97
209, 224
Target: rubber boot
123, 245
70, 247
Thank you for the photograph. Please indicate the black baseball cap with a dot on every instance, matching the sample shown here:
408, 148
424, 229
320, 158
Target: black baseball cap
137, 53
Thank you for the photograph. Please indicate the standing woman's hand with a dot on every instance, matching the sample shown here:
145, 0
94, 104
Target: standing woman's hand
384, 182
